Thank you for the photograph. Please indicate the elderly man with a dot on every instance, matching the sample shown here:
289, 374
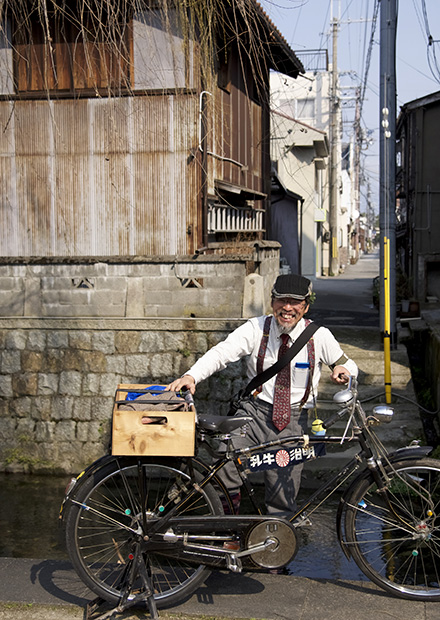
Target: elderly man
279, 409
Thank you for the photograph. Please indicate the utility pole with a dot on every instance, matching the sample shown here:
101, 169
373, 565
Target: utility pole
357, 169
387, 161
334, 154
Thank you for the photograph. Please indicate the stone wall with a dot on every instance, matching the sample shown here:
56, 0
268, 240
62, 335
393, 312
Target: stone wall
58, 378
200, 286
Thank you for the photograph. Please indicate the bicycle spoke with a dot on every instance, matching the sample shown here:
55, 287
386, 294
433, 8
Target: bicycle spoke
394, 538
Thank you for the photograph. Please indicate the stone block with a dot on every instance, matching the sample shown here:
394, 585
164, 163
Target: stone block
91, 383
161, 366
80, 340
6, 386
48, 383
25, 428
102, 408
10, 361
151, 342
84, 361
138, 365
54, 360
135, 298
11, 303
197, 342
65, 430
70, 383
8, 283
104, 342
42, 408
108, 384
62, 408
253, 296
127, 342
15, 339
32, 297
21, 407
24, 384
7, 431
82, 409
44, 431
32, 361
112, 285
82, 431
116, 364
55, 283
36, 341
112, 300
57, 339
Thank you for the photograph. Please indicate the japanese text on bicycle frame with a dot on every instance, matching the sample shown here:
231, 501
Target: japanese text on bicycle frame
275, 459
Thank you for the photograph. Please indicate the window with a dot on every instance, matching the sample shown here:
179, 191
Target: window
305, 108
71, 47
224, 70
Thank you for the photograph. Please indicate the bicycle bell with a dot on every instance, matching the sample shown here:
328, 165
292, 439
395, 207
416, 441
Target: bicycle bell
344, 397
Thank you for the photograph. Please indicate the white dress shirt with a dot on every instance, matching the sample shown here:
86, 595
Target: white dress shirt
245, 341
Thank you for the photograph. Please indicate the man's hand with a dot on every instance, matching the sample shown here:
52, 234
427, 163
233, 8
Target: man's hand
340, 375
184, 383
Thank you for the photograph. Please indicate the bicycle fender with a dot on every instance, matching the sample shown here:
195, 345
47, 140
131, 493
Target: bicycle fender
410, 452
401, 454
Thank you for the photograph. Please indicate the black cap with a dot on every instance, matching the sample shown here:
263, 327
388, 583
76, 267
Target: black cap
292, 285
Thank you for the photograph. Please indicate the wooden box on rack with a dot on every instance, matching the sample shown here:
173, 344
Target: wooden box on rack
150, 432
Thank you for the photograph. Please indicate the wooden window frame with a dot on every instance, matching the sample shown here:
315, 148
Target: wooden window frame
64, 56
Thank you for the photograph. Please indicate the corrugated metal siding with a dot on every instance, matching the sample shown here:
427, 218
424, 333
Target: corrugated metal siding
108, 177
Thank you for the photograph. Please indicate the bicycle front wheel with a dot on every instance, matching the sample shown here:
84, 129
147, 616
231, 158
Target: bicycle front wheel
104, 514
394, 537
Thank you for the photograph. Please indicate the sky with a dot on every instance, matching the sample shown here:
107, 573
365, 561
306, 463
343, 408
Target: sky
306, 24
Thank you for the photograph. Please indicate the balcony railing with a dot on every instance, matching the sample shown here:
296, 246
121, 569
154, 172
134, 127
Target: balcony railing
223, 218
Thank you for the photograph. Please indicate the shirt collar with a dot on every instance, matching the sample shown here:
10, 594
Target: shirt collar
296, 331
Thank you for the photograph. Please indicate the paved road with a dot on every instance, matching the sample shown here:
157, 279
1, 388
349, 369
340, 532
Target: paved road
347, 299
50, 590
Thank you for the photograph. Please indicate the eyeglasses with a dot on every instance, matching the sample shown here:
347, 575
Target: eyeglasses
289, 301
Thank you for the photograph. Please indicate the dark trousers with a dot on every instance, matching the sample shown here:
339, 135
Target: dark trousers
281, 484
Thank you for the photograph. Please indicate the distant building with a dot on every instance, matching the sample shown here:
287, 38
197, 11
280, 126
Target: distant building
418, 195
308, 100
300, 203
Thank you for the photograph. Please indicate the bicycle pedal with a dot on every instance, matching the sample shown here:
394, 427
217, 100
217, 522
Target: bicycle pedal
233, 564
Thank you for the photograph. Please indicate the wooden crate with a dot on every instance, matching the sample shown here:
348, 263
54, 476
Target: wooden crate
171, 434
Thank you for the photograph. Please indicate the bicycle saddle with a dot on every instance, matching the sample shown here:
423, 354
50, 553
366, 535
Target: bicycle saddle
221, 423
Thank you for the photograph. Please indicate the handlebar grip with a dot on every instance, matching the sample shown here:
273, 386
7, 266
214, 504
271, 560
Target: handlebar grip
333, 418
187, 396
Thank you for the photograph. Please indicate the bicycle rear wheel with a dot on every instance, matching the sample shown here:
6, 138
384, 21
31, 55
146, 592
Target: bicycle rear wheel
106, 512
395, 539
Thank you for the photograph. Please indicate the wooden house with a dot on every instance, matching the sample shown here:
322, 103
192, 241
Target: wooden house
418, 199
135, 159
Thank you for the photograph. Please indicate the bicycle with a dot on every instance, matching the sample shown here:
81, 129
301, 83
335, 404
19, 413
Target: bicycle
156, 526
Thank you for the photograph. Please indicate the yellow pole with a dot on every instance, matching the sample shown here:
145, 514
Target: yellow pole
387, 321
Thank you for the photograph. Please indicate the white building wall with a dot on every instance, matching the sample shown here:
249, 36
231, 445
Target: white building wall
306, 102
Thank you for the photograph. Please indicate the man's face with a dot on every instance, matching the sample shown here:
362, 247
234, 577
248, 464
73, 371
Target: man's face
288, 311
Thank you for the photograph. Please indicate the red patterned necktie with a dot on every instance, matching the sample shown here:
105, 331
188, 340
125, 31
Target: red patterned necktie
281, 397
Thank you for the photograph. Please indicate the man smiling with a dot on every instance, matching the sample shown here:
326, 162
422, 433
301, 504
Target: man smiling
279, 407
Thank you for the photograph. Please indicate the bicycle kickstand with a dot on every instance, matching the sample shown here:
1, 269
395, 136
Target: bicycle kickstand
137, 569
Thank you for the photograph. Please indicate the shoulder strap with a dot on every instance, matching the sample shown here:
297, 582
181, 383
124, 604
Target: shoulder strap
287, 357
